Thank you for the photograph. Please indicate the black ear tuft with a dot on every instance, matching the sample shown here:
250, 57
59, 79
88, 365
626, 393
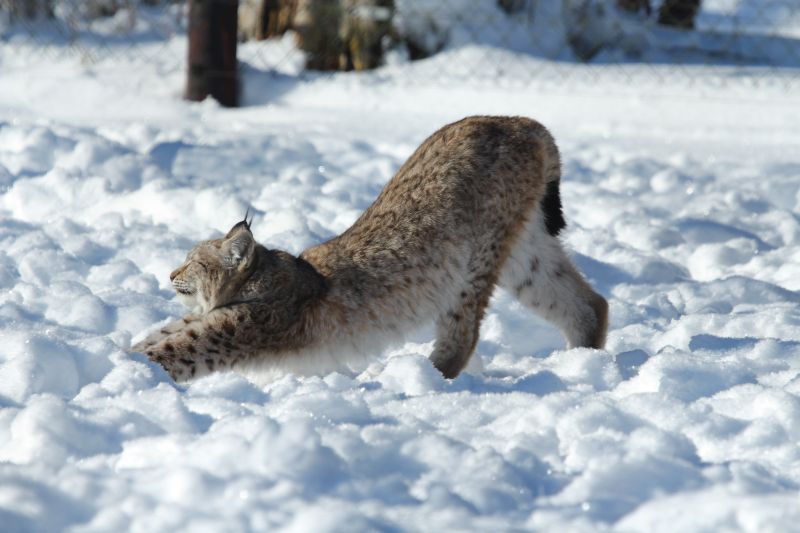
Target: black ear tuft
244, 224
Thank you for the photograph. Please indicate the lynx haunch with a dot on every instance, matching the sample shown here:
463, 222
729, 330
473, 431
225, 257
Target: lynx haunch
476, 205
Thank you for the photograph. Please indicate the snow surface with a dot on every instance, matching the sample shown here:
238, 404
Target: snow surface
682, 203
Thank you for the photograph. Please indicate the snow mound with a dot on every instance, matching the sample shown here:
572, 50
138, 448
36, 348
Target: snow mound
681, 210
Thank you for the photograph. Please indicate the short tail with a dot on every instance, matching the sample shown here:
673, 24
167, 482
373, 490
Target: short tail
551, 209
551, 202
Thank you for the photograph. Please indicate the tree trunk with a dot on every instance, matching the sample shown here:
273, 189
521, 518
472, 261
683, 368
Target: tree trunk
365, 26
212, 69
343, 34
28, 9
264, 19
317, 25
678, 13
278, 17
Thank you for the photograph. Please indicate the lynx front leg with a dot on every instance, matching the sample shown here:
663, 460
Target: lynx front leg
457, 329
175, 354
200, 345
166, 331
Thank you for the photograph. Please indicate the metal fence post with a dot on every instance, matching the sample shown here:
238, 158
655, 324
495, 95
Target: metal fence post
212, 68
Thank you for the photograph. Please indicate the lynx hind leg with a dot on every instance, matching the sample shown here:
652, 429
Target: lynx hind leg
540, 274
457, 328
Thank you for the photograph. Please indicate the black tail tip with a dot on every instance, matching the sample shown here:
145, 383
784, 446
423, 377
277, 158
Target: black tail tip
551, 208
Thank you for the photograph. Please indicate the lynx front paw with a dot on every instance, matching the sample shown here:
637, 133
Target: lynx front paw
148, 342
177, 368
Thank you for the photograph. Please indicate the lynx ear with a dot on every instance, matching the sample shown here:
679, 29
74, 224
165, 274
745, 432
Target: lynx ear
243, 225
238, 246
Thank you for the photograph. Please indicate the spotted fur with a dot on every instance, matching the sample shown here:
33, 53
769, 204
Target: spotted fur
476, 205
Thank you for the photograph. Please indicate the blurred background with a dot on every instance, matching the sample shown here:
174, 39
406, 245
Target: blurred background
569, 42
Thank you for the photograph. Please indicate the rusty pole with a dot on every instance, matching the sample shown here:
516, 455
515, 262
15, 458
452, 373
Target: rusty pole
212, 68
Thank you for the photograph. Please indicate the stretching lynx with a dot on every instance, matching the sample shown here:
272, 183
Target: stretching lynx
477, 204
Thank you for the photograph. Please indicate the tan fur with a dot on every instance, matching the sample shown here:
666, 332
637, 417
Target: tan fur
462, 214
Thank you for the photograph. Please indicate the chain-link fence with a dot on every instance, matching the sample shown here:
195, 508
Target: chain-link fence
494, 40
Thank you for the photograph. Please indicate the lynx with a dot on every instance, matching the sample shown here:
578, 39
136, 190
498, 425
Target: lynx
476, 205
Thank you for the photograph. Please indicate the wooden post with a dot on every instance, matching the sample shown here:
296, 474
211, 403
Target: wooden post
678, 13
212, 69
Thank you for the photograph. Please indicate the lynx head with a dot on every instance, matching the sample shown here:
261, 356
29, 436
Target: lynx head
215, 270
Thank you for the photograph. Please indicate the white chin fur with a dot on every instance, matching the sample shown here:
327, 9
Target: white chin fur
190, 301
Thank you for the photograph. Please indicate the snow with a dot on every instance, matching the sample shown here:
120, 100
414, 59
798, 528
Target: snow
682, 206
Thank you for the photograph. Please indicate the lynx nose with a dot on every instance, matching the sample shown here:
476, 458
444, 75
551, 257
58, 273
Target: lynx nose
174, 274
